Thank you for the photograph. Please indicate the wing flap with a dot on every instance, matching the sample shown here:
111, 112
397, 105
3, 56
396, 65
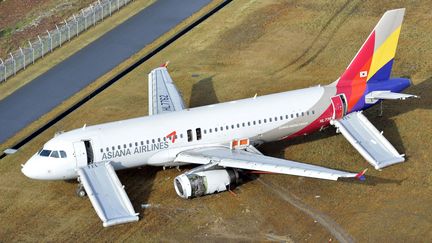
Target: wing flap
163, 94
366, 139
107, 194
252, 161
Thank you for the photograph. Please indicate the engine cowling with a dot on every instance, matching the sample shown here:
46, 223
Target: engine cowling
205, 182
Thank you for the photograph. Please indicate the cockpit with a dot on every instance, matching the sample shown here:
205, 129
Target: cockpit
52, 153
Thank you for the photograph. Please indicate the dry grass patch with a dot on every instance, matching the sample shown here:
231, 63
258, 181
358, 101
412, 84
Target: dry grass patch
214, 63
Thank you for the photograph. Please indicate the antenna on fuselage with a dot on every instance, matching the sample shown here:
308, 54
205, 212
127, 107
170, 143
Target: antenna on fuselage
255, 95
83, 128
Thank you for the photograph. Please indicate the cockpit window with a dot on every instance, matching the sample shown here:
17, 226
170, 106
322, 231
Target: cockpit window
55, 154
45, 153
63, 154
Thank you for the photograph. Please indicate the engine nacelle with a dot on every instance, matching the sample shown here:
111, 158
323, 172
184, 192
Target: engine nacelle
205, 182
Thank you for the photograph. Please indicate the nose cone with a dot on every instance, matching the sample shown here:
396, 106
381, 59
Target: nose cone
32, 170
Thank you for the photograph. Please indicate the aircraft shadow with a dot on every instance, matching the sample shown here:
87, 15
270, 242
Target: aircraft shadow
203, 93
138, 185
372, 181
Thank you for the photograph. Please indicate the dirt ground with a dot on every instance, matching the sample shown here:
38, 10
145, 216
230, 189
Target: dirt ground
23, 20
256, 47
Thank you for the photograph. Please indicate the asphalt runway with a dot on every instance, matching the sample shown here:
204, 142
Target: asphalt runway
73, 74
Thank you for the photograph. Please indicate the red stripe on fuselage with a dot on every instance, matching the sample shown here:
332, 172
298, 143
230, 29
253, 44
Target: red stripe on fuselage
322, 121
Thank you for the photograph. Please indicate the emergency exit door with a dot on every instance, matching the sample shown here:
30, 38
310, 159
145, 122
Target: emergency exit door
339, 106
80, 154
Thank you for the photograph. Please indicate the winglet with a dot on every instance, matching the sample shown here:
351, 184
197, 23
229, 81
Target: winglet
360, 175
165, 64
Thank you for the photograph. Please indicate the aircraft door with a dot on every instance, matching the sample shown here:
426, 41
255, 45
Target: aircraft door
339, 106
80, 154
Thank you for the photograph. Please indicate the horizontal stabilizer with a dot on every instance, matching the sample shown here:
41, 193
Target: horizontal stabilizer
371, 144
107, 194
374, 96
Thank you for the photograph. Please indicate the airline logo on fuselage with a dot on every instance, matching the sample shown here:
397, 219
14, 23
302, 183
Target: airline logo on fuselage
116, 153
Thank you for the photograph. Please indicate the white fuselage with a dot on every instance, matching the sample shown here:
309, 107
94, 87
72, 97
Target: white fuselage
146, 141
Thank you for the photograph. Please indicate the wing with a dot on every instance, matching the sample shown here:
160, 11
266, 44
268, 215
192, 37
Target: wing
371, 144
107, 194
163, 94
242, 159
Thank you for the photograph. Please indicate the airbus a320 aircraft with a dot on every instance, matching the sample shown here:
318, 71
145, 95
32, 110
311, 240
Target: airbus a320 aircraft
222, 138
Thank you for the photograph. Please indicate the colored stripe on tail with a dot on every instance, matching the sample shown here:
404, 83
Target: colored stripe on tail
374, 60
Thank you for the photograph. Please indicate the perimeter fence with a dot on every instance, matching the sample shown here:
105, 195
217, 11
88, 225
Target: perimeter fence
25, 56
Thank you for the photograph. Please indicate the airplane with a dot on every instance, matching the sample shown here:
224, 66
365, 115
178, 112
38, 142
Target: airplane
222, 138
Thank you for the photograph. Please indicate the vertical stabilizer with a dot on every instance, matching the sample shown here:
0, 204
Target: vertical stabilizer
374, 60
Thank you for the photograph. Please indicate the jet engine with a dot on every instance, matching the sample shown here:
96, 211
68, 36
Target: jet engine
196, 184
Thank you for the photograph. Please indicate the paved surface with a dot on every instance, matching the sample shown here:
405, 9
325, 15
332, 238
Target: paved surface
70, 76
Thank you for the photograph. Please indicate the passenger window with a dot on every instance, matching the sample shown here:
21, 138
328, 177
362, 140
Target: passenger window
119, 147
189, 134
113, 148
302, 113
54, 154
210, 130
232, 126
45, 153
130, 145
313, 112
248, 123
221, 128
153, 141
238, 125
205, 131
101, 150
254, 122
292, 115
164, 138
281, 117
227, 127
286, 116
259, 121
265, 120
270, 120
181, 135
275, 118
136, 143
142, 142
124, 145
147, 142
198, 133
63, 154
307, 113
297, 114
107, 149
216, 129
